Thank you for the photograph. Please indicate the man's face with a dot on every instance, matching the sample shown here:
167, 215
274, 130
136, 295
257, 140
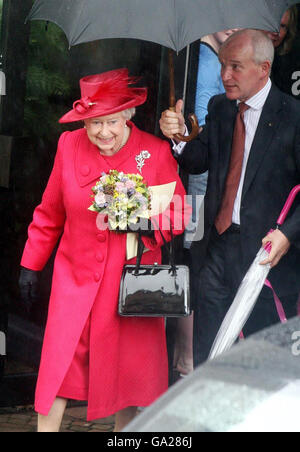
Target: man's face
242, 77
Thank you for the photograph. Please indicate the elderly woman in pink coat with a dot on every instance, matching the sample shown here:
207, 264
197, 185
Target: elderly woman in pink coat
91, 353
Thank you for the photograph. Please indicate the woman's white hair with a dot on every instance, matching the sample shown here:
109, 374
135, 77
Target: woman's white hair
129, 113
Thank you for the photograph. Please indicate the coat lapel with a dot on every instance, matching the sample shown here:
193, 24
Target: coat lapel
265, 132
88, 162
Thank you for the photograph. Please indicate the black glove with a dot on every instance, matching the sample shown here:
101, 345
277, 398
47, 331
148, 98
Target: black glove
143, 227
28, 284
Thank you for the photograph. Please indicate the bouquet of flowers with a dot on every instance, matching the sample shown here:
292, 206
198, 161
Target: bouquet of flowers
124, 198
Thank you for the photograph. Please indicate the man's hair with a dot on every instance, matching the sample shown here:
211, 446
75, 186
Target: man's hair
263, 48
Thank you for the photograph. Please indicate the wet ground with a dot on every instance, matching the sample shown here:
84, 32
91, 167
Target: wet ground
24, 419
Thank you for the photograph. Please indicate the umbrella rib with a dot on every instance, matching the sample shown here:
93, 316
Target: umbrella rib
74, 30
176, 23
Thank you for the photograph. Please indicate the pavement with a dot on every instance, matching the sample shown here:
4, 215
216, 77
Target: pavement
24, 419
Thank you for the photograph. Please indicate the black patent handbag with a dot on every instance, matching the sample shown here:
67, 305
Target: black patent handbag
155, 290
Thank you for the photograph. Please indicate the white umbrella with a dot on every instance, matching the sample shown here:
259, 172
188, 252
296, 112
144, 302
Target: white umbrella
242, 305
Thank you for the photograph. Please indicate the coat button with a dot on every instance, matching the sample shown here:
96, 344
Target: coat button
85, 170
97, 277
101, 238
99, 257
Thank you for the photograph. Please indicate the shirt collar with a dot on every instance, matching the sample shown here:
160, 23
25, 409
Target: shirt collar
258, 100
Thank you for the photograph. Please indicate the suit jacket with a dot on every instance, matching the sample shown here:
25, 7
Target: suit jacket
273, 170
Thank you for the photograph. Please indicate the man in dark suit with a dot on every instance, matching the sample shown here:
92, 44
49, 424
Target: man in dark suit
251, 147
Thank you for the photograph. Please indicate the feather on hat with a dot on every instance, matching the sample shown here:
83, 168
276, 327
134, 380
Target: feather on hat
105, 94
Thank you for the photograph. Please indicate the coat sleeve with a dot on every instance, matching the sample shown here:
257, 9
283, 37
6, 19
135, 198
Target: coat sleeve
195, 156
178, 213
291, 227
48, 218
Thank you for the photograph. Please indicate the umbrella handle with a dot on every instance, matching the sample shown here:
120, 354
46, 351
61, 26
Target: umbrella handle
288, 205
284, 213
192, 117
195, 129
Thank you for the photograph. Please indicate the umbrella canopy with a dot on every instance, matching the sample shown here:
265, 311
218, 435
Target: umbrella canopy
171, 23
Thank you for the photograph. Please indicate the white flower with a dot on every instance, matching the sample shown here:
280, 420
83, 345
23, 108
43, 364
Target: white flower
100, 199
140, 159
146, 154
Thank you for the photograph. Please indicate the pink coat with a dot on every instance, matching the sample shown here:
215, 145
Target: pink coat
128, 357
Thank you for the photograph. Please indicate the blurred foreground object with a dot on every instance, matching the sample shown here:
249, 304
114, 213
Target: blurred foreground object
254, 387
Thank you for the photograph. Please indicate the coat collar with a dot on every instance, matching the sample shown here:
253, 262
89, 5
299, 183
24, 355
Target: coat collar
89, 163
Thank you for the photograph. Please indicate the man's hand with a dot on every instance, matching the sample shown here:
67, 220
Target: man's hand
280, 247
172, 122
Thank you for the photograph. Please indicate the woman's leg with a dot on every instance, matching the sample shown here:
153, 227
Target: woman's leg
123, 417
183, 352
52, 422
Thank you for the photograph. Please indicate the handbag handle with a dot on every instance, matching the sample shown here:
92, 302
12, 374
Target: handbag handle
171, 250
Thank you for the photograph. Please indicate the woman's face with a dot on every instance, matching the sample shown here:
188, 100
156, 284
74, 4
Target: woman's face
107, 132
278, 38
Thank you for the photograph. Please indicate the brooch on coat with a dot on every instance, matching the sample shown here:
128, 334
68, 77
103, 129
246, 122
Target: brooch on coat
140, 159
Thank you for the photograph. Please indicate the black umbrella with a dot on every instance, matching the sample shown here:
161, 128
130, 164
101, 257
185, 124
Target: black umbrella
171, 23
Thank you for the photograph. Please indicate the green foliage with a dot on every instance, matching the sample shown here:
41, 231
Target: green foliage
48, 84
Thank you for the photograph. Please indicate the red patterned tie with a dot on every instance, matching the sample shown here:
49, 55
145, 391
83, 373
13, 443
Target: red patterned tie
224, 217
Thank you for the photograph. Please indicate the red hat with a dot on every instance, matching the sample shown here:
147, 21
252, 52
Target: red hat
105, 94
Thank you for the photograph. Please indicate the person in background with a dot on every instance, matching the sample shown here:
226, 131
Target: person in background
286, 64
91, 353
283, 41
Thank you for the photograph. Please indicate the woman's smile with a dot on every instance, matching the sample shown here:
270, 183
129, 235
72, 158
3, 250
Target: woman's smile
105, 141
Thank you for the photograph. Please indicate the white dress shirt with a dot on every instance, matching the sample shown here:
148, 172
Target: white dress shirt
251, 119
